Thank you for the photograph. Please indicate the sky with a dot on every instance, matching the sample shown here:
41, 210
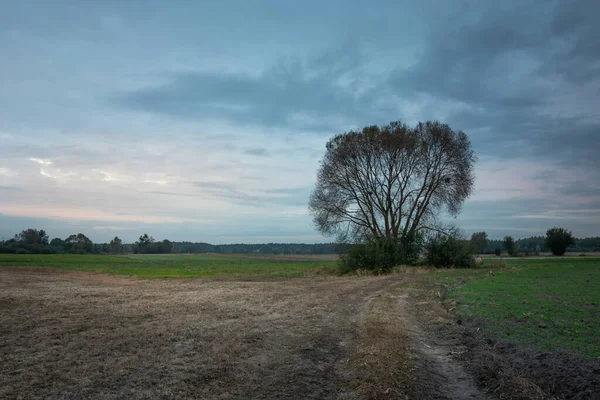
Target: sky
206, 120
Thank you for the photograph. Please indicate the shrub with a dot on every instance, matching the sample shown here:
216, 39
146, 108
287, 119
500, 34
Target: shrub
21, 251
380, 255
558, 239
497, 251
449, 251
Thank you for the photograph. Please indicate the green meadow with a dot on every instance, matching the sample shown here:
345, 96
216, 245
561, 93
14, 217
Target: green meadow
172, 266
551, 303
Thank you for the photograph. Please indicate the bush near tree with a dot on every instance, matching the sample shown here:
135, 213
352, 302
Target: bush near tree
450, 251
380, 255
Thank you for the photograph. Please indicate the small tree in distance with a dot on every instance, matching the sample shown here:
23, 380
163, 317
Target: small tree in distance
498, 251
78, 243
116, 245
479, 241
558, 239
509, 245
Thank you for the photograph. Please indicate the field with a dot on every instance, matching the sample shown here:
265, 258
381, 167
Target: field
551, 304
94, 327
176, 265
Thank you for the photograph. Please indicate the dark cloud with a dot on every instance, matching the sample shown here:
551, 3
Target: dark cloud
271, 99
296, 94
511, 67
514, 70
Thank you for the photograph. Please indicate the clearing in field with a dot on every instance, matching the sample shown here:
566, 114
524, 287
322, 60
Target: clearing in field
67, 332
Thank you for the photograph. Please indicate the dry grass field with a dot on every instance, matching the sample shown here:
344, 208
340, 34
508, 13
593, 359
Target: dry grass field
72, 335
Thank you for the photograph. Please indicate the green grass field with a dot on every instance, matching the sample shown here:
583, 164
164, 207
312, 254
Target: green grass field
171, 266
551, 303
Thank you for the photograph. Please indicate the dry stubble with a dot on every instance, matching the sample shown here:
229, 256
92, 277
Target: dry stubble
73, 335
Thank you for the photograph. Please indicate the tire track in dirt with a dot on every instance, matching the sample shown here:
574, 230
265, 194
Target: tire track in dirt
397, 358
439, 374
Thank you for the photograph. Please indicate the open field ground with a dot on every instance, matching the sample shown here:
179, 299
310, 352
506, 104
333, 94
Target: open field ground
178, 265
69, 332
551, 304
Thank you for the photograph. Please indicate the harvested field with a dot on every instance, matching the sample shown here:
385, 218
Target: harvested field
70, 335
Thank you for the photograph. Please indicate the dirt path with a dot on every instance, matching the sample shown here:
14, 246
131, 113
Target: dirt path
441, 375
75, 335
396, 339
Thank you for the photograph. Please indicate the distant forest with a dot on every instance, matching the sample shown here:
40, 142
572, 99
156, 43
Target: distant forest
536, 243
530, 243
32, 241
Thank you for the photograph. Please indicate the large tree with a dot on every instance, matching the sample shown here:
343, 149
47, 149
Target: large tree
391, 181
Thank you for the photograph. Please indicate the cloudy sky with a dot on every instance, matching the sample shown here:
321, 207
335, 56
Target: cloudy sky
206, 120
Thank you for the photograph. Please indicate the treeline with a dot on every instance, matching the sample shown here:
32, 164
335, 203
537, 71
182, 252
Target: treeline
268, 248
33, 241
537, 244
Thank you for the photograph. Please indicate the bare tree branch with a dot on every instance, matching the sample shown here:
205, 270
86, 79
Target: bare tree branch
392, 181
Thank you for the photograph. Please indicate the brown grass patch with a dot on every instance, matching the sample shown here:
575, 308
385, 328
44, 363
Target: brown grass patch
77, 335
382, 359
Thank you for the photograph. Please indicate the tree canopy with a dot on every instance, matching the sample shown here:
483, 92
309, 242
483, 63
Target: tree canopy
558, 239
479, 241
391, 181
509, 244
79, 242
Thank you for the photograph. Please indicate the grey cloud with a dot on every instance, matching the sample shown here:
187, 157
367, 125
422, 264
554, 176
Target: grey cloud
292, 196
498, 60
505, 64
576, 23
257, 151
11, 189
230, 192
292, 93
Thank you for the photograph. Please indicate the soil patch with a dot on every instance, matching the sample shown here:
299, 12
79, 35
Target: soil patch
525, 373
